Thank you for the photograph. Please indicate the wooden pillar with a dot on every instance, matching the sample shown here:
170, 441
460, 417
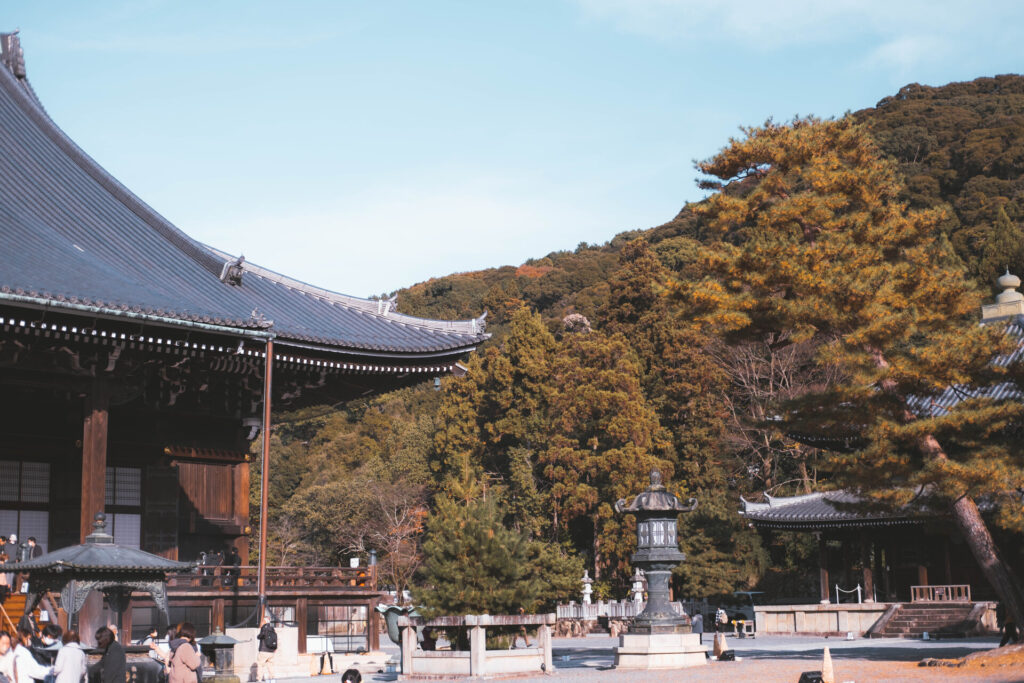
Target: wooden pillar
886, 565
823, 568
94, 456
373, 617
867, 563
947, 561
922, 575
301, 613
241, 511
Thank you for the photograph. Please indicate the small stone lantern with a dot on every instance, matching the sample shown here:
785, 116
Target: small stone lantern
588, 587
638, 585
220, 649
657, 553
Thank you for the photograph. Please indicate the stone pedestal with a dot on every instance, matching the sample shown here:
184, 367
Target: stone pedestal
659, 651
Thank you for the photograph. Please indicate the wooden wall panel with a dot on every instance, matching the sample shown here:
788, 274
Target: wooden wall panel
209, 487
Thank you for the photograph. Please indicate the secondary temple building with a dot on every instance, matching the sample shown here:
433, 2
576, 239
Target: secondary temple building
914, 556
132, 368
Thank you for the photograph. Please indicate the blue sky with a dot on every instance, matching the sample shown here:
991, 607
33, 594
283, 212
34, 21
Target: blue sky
365, 146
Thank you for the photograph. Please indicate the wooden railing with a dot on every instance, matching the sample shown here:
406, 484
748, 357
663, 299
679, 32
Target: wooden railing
949, 593
280, 578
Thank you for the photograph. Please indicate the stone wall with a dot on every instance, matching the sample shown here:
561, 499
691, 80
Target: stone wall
819, 619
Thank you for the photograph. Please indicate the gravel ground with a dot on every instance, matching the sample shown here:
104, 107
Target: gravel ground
777, 658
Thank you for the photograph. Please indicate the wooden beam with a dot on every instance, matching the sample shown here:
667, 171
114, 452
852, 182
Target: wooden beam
94, 455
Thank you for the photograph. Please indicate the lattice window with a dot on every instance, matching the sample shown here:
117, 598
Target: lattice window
345, 625
25, 484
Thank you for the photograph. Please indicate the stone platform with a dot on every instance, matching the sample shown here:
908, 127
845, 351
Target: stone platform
659, 651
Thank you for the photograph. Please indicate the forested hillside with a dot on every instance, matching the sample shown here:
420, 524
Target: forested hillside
596, 373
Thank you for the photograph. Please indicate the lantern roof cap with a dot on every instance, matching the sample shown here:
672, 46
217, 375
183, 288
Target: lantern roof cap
656, 499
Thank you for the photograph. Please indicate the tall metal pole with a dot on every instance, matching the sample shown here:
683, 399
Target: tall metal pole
261, 580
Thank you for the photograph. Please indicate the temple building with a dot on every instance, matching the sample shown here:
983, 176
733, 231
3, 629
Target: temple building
133, 362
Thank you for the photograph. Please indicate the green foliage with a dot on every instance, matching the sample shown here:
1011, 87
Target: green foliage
474, 564
559, 424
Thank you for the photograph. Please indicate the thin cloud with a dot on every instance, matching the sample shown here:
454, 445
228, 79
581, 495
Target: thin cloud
774, 25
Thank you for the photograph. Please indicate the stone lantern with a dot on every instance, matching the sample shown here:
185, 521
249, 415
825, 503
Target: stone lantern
220, 651
588, 588
658, 638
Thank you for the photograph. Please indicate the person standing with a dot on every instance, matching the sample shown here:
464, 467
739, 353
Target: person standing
112, 664
698, 626
184, 661
34, 549
26, 667
721, 620
268, 646
70, 664
6, 658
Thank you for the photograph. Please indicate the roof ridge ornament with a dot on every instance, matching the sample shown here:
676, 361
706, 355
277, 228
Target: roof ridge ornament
11, 53
232, 271
384, 306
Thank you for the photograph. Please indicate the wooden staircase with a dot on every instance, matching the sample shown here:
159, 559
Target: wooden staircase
11, 610
938, 619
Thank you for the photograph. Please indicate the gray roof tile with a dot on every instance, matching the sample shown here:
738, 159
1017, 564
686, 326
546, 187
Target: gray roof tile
73, 233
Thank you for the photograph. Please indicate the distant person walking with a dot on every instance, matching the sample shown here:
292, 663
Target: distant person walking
721, 621
268, 646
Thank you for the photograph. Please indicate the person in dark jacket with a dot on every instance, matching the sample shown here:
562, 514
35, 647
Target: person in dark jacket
112, 664
268, 646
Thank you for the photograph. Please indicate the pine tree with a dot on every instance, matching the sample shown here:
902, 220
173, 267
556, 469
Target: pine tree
814, 241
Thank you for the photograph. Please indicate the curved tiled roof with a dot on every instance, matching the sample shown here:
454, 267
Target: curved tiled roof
74, 236
821, 509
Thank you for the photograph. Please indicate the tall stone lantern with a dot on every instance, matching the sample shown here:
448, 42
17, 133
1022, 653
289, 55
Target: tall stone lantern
659, 638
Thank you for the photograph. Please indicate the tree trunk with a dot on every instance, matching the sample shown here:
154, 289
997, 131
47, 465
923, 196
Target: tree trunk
983, 547
979, 539
969, 522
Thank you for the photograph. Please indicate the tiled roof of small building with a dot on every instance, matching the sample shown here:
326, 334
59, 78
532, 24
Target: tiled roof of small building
75, 238
822, 510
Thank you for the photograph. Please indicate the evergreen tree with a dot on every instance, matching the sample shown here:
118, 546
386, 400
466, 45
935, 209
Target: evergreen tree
494, 421
605, 441
684, 384
475, 565
820, 244
1004, 249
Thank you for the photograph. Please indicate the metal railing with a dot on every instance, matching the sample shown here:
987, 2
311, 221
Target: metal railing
947, 593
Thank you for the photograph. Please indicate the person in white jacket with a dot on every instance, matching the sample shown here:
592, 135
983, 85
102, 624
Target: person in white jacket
70, 664
25, 665
6, 657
